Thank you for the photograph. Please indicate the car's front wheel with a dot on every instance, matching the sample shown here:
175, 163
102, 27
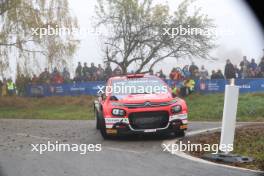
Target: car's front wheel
103, 129
180, 133
97, 121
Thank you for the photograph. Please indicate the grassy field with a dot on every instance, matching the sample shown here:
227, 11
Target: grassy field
201, 107
56, 108
210, 107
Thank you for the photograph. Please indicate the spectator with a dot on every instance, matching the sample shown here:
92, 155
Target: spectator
214, 75
186, 71
93, 70
244, 65
175, 90
34, 79
66, 75
172, 74
203, 73
21, 83
4, 87
54, 73
251, 73
188, 87
193, 68
220, 74
259, 74
261, 65
86, 73
56, 77
44, 77
253, 64
162, 75
78, 71
100, 73
175, 74
230, 70
108, 71
11, 88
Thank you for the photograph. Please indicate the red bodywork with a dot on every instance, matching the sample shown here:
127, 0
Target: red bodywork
144, 113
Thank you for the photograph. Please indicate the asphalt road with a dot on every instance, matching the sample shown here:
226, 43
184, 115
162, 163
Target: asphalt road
137, 156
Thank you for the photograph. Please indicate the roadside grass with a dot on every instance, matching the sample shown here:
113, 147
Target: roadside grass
53, 108
201, 107
249, 141
210, 107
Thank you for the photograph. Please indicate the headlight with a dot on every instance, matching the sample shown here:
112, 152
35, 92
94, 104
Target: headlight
176, 109
118, 112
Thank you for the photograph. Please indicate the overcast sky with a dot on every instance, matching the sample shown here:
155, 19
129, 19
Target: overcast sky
229, 15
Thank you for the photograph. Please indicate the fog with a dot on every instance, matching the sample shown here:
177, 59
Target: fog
244, 35
229, 15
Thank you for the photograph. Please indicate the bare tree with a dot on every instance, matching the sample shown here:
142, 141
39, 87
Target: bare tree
143, 34
19, 21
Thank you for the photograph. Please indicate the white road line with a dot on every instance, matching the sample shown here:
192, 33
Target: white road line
191, 133
123, 150
189, 157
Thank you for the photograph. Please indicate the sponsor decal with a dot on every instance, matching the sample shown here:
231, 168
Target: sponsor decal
109, 122
111, 131
245, 86
150, 130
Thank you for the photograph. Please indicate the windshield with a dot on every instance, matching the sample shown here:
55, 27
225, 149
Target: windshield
138, 86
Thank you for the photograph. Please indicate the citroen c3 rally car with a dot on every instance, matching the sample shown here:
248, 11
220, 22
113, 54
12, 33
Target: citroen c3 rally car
135, 104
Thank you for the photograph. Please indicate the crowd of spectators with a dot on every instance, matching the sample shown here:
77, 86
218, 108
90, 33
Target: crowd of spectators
93, 73
84, 73
245, 70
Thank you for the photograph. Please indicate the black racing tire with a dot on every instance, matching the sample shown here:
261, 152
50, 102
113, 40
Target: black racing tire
97, 121
103, 129
180, 133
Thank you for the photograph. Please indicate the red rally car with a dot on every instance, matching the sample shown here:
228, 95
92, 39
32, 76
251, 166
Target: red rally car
139, 103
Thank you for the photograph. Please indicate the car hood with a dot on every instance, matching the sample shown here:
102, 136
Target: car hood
141, 98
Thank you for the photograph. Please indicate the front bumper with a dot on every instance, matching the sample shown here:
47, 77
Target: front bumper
121, 126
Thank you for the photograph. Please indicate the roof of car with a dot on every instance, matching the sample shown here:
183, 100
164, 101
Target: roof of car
132, 76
